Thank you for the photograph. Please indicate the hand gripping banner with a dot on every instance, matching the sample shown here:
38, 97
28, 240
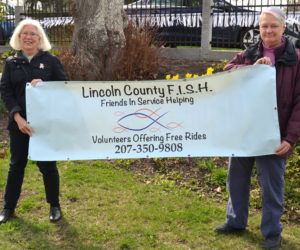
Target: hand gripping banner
232, 113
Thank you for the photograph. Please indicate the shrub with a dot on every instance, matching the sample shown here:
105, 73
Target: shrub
219, 176
209, 165
7, 53
4, 56
136, 61
292, 187
2, 106
292, 184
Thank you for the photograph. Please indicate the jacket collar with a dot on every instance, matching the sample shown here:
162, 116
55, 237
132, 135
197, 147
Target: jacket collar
19, 56
289, 56
285, 55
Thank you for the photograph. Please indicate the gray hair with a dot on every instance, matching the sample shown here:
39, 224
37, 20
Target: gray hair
15, 39
276, 12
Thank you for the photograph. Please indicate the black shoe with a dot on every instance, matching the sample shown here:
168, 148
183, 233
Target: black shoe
55, 214
226, 229
6, 214
272, 242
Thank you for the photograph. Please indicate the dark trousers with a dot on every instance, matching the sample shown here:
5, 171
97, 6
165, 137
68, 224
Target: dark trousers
19, 143
270, 170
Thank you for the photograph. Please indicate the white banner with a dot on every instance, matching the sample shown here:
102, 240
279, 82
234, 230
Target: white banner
231, 113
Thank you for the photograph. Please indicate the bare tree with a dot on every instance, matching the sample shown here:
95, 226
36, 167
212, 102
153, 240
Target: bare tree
98, 34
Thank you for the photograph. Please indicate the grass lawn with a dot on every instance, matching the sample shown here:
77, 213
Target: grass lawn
109, 208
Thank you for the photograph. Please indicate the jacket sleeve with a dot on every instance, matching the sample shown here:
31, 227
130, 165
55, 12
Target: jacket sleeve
58, 73
293, 126
237, 62
7, 92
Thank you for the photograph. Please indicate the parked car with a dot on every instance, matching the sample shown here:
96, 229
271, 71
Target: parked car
7, 25
179, 22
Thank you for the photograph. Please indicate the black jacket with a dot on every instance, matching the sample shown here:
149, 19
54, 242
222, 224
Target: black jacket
18, 71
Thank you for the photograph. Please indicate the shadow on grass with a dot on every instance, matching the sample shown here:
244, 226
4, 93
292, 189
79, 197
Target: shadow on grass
42, 235
256, 239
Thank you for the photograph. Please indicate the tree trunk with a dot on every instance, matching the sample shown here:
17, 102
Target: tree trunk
98, 34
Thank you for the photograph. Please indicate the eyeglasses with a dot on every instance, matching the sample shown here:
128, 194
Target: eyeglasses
29, 34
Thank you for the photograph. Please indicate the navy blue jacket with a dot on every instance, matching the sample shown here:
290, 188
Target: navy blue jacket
18, 71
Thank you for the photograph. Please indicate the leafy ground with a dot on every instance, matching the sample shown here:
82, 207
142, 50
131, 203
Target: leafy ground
107, 207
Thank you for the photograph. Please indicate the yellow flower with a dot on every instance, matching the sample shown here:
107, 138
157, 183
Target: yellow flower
209, 71
188, 75
168, 77
196, 75
175, 77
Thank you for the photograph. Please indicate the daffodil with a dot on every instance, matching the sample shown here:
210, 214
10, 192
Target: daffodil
209, 71
175, 77
168, 77
188, 75
195, 75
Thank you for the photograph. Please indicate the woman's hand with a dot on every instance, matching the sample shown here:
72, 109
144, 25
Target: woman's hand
35, 81
264, 60
283, 148
22, 124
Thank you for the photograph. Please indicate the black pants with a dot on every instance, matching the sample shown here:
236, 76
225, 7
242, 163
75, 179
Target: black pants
19, 143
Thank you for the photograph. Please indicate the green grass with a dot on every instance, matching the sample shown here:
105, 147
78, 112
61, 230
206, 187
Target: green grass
106, 207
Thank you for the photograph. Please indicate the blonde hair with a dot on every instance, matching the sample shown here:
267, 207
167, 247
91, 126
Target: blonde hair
15, 39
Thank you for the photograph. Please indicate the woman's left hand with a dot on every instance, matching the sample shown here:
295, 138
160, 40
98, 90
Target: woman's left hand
283, 148
35, 81
264, 60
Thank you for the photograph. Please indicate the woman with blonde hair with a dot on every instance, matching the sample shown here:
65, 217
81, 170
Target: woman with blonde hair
31, 63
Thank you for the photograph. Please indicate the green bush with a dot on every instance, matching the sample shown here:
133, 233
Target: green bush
2, 106
7, 53
297, 146
219, 176
292, 183
136, 61
204, 164
292, 187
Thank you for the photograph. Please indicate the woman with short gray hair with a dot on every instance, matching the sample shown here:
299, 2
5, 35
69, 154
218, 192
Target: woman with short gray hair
274, 50
31, 63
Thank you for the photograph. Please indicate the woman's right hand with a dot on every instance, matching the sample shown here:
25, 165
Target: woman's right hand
23, 124
35, 81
